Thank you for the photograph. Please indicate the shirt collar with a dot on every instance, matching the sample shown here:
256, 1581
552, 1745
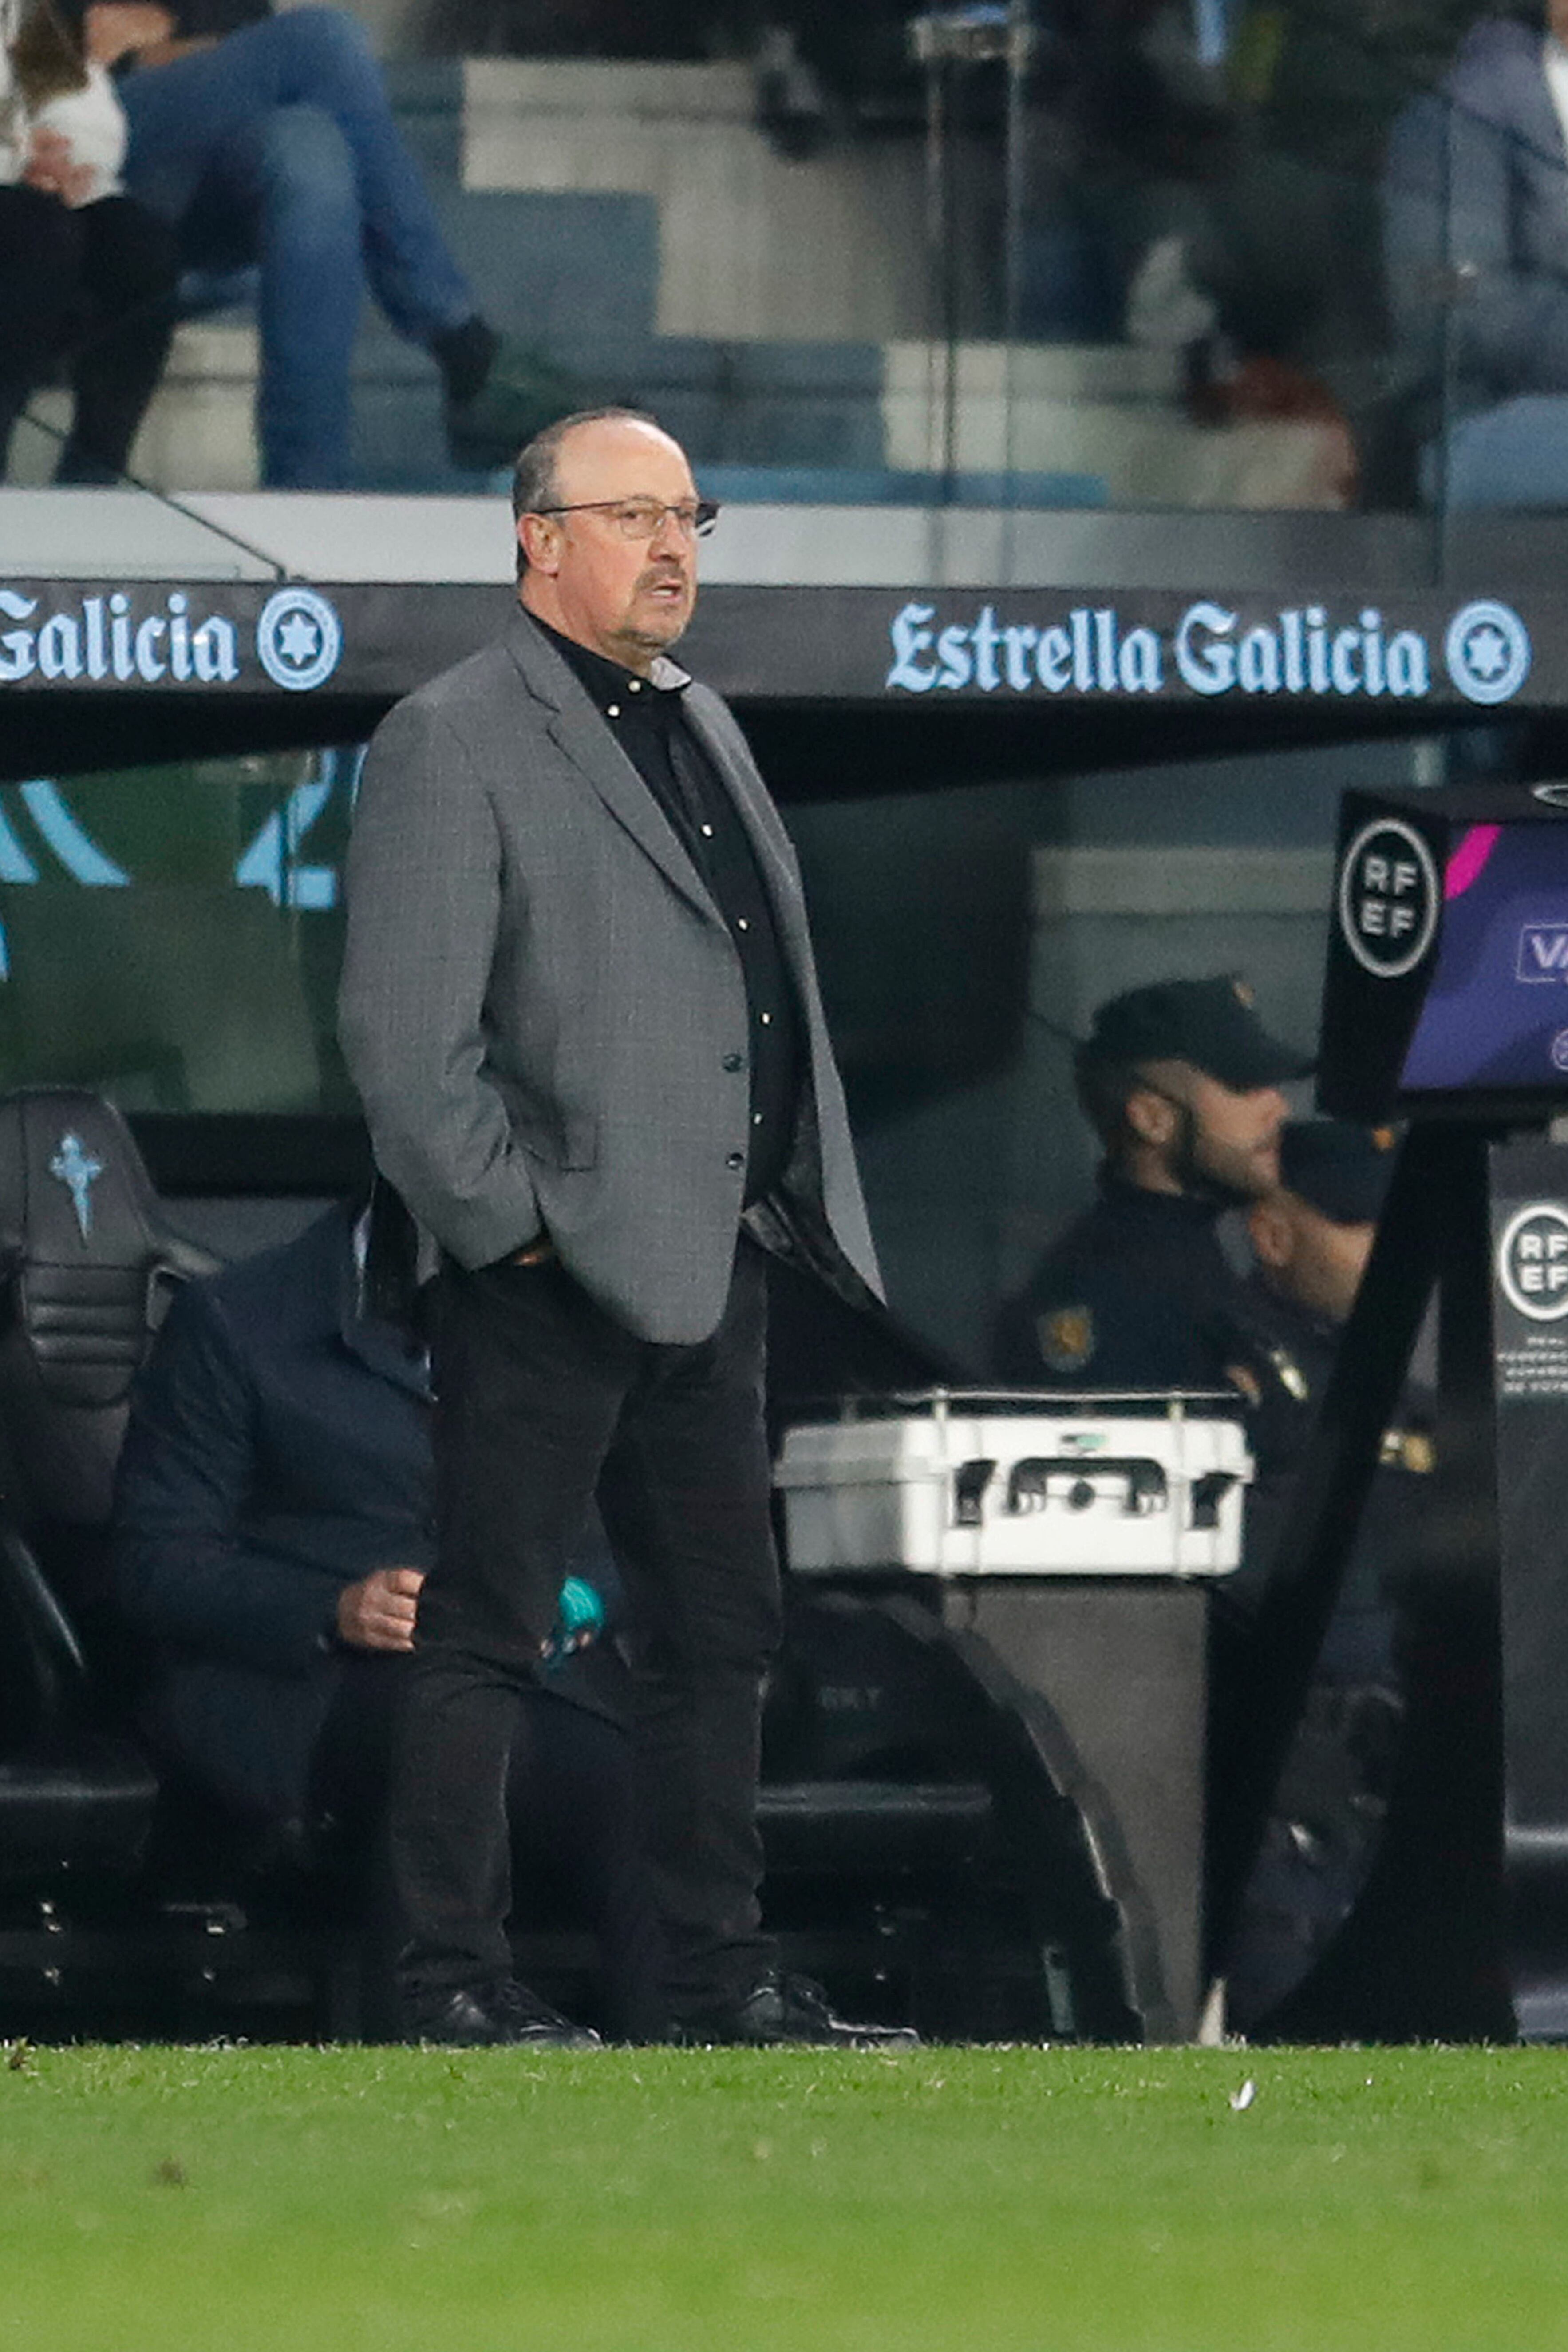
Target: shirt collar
610, 681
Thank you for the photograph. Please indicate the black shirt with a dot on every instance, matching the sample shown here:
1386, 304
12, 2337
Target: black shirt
655, 731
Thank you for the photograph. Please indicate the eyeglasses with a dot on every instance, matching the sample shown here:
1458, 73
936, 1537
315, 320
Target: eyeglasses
640, 517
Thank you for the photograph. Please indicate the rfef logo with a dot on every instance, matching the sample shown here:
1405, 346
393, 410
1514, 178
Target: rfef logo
1532, 1262
1388, 897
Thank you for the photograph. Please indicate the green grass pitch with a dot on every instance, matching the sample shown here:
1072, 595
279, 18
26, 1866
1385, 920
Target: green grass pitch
943, 2200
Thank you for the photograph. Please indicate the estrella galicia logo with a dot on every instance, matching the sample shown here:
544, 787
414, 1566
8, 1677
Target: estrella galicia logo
1542, 952
1388, 897
1488, 651
298, 639
1532, 1262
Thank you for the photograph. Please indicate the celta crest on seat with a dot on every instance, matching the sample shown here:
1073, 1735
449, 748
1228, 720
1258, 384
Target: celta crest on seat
86, 1260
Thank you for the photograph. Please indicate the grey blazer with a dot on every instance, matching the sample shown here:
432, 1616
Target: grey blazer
544, 1012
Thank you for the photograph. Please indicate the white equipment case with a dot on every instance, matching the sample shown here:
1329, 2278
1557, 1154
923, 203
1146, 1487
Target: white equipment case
955, 1483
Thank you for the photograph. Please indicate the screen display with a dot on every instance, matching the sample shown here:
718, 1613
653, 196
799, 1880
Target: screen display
1496, 1013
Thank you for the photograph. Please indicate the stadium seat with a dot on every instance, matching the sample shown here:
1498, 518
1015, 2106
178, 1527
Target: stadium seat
87, 1262
84, 1257
75, 1798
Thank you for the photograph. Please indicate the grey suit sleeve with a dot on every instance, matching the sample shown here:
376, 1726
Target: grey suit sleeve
424, 890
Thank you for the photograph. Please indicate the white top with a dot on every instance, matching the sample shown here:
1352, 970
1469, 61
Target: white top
91, 120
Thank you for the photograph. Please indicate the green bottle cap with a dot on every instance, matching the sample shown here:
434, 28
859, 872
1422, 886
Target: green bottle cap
581, 1610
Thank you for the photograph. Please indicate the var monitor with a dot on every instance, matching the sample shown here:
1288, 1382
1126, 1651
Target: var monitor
1446, 992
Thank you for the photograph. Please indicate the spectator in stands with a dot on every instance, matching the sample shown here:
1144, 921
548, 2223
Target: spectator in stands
1476, 231
270, 139
86, 276
1277, 240
272, 1528
1124, 129
1182, 1084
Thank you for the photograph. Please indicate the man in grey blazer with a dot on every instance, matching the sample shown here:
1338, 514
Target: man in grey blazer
580, 1006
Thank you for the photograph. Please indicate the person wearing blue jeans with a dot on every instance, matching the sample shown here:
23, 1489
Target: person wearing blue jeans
272, 141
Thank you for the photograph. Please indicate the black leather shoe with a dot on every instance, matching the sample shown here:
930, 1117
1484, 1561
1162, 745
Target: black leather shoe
787, 2010
485, 2016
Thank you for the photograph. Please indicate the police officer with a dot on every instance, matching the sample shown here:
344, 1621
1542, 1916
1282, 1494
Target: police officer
1372, 1913
1181, 1082
1311, 1240
1311, 1237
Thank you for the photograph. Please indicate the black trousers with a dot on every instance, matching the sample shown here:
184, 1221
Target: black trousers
543, 1400
569, 1809
91, 290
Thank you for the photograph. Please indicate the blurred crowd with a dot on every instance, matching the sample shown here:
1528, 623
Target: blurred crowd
1343, 210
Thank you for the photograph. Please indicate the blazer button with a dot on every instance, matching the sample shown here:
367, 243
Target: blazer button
737, 1160
732, 1061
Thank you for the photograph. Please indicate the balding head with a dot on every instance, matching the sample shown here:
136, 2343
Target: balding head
617, 572
534, 482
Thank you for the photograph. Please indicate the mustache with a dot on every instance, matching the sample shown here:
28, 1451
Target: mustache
661, 574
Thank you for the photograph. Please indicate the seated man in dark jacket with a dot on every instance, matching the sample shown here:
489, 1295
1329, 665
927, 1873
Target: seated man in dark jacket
273, 1524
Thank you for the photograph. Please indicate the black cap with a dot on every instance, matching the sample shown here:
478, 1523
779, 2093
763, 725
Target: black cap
1209, 1023
1340, 1170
